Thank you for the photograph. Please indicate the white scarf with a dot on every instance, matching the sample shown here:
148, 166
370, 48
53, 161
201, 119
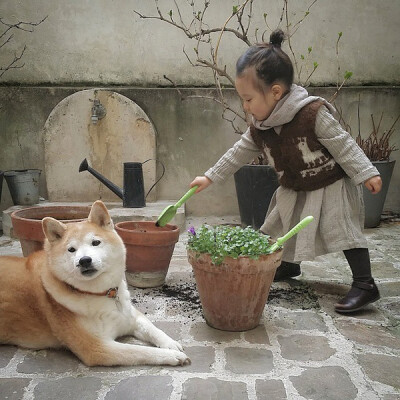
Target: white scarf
287, 108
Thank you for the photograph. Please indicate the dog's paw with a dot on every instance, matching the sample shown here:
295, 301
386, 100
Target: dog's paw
171, 344
181, 359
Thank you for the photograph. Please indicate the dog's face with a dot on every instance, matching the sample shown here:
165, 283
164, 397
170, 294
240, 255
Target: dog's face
87, 254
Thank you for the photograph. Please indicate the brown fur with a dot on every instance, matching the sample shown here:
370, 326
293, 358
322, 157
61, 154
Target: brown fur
45, 301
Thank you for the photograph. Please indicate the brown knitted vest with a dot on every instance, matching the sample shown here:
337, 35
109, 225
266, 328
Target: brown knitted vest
300, 160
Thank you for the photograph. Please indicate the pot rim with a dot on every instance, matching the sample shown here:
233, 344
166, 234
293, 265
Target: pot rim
15, 172
159, 230
48, 210
238, 265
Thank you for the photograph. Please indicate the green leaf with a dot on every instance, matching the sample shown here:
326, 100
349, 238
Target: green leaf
340, 34
170, 13
309, 50
348, 75
315, 65
228, 241
302, 57
234, 9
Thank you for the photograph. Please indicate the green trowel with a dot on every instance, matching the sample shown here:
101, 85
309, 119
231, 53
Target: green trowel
170, 211
302, 224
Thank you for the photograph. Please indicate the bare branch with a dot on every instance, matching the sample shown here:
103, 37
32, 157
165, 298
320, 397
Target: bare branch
333, 98
196, 35
12, 65
23, 26
296, 26
224, 26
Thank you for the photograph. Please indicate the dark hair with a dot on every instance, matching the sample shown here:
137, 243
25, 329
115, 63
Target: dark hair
270, 62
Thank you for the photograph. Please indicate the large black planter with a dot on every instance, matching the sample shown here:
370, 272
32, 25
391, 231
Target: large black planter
374, 202
255, 185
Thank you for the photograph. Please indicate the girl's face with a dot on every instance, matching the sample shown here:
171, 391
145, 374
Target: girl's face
259, 103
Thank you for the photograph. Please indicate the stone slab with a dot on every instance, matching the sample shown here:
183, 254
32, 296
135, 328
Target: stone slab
327, 383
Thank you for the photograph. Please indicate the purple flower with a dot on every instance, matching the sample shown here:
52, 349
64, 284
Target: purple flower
192, 231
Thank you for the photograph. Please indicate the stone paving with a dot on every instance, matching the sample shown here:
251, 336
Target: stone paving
301, 350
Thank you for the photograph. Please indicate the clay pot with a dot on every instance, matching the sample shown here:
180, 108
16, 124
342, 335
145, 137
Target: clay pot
27, 223
233, 294
148, 251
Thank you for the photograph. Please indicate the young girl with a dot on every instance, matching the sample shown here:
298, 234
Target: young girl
319, 165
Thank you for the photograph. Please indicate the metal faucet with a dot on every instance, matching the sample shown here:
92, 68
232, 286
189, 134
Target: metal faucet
98, 111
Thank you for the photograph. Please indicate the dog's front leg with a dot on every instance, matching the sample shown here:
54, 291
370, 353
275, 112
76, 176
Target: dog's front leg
144, 330
112, 353
94, 350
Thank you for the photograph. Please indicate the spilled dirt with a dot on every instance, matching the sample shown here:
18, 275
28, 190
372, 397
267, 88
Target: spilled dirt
183, 298
299, 295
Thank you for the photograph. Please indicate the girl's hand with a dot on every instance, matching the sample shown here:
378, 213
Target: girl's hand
374, 184
202, 182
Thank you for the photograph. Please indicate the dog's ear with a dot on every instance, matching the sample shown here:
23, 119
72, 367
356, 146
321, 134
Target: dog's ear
100, 216
53, 229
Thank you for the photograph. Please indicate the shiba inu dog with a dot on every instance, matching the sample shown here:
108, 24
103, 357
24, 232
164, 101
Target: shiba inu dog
73, 294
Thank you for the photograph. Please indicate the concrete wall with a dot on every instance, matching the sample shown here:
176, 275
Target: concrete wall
105, 44
191, 136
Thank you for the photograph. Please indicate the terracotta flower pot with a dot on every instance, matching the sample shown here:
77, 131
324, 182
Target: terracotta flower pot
148, 251
233, 294
27, 223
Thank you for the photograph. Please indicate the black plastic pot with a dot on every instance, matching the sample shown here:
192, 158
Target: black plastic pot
374, 202
255, 185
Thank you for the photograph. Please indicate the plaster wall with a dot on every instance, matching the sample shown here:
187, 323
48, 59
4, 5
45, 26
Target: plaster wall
190, 136
105, 42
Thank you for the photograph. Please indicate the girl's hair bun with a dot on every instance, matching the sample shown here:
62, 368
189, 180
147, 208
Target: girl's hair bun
277, 37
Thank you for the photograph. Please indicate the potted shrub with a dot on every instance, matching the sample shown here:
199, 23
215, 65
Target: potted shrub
378, 149
234, 268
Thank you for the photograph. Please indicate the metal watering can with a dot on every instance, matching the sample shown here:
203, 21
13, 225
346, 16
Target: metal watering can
132, 194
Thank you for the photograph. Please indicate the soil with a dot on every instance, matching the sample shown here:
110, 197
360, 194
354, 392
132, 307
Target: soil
299, 295
183, 297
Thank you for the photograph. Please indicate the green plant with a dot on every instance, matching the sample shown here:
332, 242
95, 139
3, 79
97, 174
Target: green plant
228, 241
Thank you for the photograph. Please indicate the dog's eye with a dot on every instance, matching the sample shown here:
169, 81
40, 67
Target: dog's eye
72, 249
95, 242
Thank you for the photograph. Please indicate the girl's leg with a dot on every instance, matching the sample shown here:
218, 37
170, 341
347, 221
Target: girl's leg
287, 270
363, 290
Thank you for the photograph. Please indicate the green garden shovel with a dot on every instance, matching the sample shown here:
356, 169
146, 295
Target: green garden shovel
302, 224
170, 211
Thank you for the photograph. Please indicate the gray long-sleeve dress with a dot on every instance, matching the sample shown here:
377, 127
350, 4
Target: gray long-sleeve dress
338, 209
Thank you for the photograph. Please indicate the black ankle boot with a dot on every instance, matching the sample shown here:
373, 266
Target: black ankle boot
287, 270
360, 295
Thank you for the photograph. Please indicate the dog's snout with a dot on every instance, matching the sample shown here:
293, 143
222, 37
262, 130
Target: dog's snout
85, 261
